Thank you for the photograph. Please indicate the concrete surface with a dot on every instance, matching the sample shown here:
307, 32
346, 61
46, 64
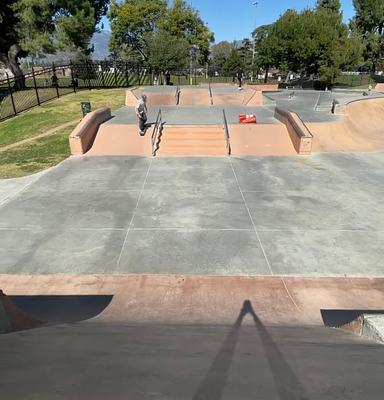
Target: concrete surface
373, 327
318, 215
195, 299
360, 129
312, 105
194, 115
94, 360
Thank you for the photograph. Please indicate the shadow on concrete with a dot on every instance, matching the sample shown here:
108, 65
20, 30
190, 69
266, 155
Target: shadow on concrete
287, 384
62, 309
337, 318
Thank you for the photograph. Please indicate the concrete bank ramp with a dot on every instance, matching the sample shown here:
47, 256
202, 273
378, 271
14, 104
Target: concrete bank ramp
203, 299
232, 97
360, 129
165, 96
121, 140
194, 96
260, 140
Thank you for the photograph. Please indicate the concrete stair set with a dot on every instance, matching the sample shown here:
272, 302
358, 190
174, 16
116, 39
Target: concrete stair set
191, 141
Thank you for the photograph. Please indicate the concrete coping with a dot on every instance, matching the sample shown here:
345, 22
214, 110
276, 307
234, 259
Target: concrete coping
82, 137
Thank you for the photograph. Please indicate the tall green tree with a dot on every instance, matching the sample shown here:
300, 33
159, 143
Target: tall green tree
331, 5
219, 53
266, 49
233, 63
34, 26
138, 24
133, 24
369, 24
315, 42
167, 52
183, 21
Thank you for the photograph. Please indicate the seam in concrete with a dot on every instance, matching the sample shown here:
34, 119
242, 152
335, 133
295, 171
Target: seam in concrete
289, 294
133, 215
252, 221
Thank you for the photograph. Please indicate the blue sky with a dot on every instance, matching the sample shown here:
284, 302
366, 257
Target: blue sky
235, 19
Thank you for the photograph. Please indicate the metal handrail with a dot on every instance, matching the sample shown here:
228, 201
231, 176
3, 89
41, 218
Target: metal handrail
226, 134
177, 95
210, 93
156, 130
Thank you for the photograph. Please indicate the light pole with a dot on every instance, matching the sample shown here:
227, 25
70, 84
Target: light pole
255, 3
193, 53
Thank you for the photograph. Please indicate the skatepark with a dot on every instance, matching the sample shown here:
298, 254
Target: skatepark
225, 253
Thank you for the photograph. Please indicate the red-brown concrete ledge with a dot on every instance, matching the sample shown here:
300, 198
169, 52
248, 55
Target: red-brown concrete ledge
300, 135
82, 137
208, 299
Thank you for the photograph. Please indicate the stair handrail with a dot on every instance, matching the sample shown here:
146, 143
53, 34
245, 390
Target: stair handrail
226, 134
210, 93
177, 95
156, 131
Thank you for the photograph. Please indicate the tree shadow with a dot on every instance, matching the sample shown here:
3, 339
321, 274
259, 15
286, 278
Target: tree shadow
287, 384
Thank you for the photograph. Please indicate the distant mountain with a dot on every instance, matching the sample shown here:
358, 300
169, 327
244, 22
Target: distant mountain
100, 43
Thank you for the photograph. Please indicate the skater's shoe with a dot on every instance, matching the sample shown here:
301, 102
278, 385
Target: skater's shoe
141, 133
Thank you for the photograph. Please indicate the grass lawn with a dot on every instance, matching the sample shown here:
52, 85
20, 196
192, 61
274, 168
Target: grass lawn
36, 155
65, 109
47, 151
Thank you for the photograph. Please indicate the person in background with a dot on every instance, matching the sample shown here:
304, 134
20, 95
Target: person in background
141, 113
239, 77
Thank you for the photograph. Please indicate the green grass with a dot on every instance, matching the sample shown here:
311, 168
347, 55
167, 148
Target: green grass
42, 153
57, 112
35, 156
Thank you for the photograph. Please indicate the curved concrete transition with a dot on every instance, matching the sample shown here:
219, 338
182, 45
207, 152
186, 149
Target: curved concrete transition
360, 129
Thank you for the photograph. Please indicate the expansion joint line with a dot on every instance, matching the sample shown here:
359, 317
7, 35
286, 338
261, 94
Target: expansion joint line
251, 218
133, 214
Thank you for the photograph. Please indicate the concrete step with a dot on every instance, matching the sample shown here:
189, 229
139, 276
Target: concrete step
189, 135
191, 151
192, 141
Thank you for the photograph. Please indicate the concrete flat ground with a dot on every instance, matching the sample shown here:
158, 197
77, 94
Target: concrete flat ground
318, 215
140, 362
195, 115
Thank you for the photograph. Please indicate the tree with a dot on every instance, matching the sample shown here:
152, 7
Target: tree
314, 42
330, 5
133, 24
369, 24
33, 26
233, 63
138, 25
183, 21
167, 52
266, 49
219, 53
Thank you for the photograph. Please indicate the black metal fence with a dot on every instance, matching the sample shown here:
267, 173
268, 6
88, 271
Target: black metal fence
43, 84
40, 85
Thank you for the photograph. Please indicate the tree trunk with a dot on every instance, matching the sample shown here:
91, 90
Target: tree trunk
266, 74
13, 65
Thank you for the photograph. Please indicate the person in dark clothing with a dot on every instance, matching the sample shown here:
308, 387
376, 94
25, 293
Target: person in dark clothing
167, 78
239, 77
55, 80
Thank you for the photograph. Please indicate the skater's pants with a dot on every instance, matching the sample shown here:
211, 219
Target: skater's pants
142, 122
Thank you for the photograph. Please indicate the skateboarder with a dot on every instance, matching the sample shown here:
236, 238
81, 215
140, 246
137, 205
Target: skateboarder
239, 76
141, 112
